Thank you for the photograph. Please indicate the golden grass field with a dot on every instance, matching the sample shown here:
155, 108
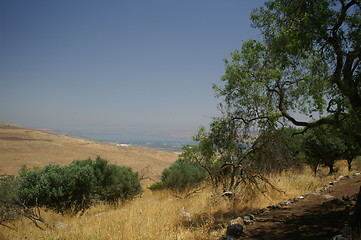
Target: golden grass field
34, 148
151, 216
156, 215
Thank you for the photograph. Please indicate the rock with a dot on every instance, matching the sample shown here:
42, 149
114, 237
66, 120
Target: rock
258, 212
262, 210
248, 219
266, 209
248, 222
327, 197
341, 177
339, 237
296, 199
234, 230
251, 216
184, 214
229, 238
238, 220
277, 206
333, 182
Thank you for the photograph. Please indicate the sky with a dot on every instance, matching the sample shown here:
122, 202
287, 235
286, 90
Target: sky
142, 67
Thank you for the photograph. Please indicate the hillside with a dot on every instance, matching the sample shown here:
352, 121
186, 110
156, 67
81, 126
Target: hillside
23, 146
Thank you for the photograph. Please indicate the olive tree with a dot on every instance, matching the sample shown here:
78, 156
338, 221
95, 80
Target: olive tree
230, 159
307, 61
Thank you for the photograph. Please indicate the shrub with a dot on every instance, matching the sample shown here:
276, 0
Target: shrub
73, 188
62, 189
181, 175
112, 182
10, 206
8, 198
122, 183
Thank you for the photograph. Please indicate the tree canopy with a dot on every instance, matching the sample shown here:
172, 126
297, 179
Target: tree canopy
307, 62
304, 71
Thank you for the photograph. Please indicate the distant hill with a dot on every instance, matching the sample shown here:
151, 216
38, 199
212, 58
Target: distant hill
36, 148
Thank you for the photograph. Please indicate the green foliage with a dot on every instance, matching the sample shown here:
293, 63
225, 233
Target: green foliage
323, 145
351, 140
307, 62
58, 188
8, 186
181, 175
8, 199
73, 187
277, 150
11, 208
231, 157
112, 182
120, 183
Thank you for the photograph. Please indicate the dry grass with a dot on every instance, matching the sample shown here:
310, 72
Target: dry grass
156, 215
34, 148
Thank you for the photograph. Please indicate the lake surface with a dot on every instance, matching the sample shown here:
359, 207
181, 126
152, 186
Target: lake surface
152, 141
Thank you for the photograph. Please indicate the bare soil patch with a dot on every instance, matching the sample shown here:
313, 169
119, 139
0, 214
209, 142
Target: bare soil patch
315, 217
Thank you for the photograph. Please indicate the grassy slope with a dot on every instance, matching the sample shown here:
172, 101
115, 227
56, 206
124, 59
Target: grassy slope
22, 146
155, 215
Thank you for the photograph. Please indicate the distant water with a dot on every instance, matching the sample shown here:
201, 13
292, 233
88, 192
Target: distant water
151, 141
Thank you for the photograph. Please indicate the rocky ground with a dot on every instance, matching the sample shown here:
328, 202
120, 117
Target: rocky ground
320, 215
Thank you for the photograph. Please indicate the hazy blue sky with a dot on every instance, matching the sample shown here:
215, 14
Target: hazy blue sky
117, 66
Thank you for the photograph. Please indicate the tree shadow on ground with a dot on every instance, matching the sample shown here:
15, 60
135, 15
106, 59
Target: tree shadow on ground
316, 223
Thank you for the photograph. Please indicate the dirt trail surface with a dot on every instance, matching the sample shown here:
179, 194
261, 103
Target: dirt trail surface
317, 216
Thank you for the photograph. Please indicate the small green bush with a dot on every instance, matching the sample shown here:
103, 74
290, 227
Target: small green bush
10, 206
8, 186
58, 188
112, 182
73, 188
181, 175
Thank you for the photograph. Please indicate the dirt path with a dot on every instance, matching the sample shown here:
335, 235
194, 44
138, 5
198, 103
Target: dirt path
314, 217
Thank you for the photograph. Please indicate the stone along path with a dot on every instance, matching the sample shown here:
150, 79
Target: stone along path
320, 215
